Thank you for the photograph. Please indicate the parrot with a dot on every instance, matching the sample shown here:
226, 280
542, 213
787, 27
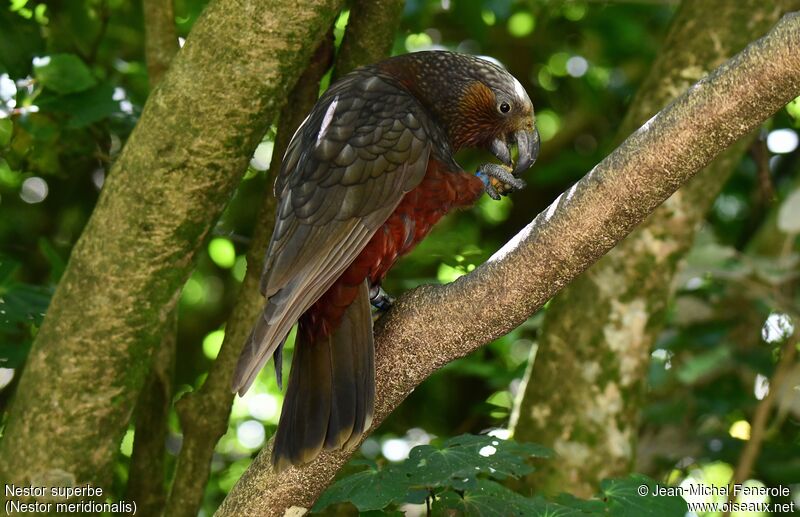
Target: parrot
365, 177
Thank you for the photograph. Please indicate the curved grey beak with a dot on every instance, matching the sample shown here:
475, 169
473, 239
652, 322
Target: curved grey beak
528, 148
499, 148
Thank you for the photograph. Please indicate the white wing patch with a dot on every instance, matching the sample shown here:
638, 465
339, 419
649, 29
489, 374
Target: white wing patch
326, 120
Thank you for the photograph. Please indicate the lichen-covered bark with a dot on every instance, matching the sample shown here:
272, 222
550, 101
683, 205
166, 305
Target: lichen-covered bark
433, 325
170, 183
583, 392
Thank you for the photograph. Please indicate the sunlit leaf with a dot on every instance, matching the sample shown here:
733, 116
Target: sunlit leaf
521, 24
793, 108
8, 177
222, 252
6, 129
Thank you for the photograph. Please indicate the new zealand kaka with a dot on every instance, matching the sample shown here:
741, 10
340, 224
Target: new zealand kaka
364, 178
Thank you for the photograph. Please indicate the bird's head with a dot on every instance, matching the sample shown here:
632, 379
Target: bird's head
479, 103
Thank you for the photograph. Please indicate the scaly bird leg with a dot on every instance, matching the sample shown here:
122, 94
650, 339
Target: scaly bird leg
498, 180
379, 298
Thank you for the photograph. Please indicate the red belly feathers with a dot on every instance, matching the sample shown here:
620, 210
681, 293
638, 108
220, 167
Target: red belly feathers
421, 208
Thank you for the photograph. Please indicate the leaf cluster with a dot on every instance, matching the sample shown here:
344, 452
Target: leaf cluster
464, 475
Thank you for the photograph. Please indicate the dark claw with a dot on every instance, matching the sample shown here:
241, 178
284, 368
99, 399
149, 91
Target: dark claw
503, 178
380, 299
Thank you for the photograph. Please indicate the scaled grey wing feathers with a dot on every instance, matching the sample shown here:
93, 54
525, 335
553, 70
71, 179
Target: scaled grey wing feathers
365, 144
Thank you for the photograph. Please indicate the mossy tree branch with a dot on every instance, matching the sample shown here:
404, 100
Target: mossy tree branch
189, 150
146, 475
433, 325
599, 331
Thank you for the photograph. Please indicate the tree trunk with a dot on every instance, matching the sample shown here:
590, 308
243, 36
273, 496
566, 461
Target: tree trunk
598, 332
171, 182
432, 325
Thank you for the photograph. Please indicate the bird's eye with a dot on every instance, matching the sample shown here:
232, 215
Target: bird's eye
504, 107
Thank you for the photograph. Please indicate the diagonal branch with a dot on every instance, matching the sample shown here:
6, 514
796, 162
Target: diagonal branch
146, 474
433, 325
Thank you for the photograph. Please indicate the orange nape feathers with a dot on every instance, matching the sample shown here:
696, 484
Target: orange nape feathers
476, 119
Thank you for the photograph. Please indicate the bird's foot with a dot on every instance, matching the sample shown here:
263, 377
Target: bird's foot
498, 180
379, 298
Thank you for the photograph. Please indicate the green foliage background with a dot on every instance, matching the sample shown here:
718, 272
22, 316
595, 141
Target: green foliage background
72, 84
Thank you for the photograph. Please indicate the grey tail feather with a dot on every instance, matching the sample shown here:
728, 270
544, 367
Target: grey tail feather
277, 359
261, 343
331, 393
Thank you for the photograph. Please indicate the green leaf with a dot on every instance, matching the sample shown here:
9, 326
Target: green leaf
793, 108
57, 264
21, 41
454, 465
8, 177
23, 303
8, 267
491, 499
6, 129
457, 463
623, 499
495, 457
704, 364
370, 489
64, 73
12, 355
85, 107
